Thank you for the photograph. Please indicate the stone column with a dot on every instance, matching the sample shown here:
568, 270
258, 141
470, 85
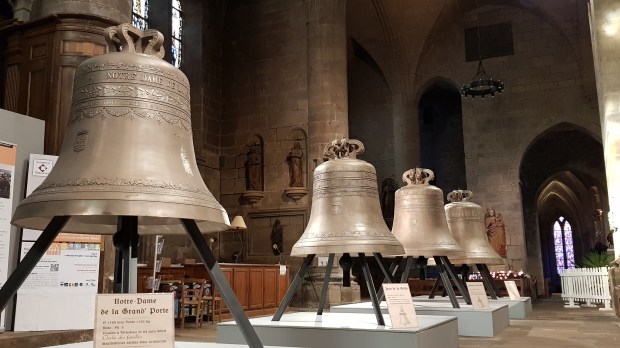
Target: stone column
328, 110
605, 31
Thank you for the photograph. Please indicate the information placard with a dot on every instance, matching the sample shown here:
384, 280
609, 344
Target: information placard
478, 295
8, 158
513, 291
400, 306
134, 320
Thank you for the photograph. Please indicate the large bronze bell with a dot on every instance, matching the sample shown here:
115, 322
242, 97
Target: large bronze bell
466, 222
419, 218
346, 214
128, 148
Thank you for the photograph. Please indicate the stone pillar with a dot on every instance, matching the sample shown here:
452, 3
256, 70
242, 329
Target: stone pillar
328, 110
605, 31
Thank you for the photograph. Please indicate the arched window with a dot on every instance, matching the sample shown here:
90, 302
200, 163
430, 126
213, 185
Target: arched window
177, 31
563, 242
165, 16
140, 14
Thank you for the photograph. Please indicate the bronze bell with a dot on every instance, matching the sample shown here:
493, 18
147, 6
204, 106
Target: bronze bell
419, 218
466, 222
346, 214
128, 148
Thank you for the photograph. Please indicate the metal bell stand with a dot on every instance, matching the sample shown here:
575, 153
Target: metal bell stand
330, 263
128, 227
447, 275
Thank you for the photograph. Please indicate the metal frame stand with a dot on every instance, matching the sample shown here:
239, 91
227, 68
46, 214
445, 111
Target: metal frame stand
487, 279
447, 275
304, 269
39, 248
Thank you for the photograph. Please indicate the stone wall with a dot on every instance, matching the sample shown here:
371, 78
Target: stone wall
264, 99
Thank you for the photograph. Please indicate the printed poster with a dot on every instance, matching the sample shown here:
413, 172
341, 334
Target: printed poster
400, 306
8, 157
513, 291
134, 320
478, 295
67, 273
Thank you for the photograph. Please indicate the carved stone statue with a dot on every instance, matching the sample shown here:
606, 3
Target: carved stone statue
253, 171
496, 231
295, 166
276, 238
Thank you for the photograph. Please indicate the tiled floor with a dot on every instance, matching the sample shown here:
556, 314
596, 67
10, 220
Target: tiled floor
549, 326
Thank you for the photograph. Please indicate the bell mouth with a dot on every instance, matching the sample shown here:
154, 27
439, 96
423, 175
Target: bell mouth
472, 260
101, 216
353, 247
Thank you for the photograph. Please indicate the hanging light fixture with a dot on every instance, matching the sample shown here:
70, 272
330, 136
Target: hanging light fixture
480, 85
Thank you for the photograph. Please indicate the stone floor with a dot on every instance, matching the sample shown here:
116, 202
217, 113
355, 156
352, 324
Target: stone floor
549, 326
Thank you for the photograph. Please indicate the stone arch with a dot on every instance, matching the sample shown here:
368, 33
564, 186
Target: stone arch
440, 120
297, 133
557, 172
371, 111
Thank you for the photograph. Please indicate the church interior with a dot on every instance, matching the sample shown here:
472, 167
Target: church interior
275, 81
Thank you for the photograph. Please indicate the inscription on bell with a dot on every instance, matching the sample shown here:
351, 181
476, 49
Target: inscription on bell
80, 140
155, 79
122, 75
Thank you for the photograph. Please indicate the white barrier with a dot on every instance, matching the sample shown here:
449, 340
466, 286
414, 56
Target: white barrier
589, 285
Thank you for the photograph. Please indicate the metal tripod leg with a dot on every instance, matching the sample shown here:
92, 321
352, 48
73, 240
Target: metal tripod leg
408, 266
31, 259
299, 277
328, 274
459, 285
219, 280
489, 284
435, 288
371, 289
446, 281
392, 272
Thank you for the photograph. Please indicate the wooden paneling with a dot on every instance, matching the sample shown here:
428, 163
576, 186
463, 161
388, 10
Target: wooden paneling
270, 286
256, 288
241, 285
40, 59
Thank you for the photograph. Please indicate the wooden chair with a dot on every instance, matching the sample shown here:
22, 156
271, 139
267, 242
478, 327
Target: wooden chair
190, 304
212, 304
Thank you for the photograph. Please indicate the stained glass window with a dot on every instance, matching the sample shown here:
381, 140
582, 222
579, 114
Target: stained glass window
563, 245
177, 33
139, 14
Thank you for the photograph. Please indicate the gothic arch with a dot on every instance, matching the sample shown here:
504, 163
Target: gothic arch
557, 172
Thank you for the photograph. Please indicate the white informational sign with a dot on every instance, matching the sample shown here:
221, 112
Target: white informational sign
59, 293
513, 291
478, 295
400, 306
282, 270
8, 157
39, 166
134, 320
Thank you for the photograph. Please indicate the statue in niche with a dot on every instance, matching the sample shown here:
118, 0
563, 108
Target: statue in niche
496, 231
253, 171
276, 238
388, 191
295, 166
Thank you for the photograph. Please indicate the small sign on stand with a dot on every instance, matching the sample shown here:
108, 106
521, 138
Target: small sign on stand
134, 320
400, 306
478, 295
513, 291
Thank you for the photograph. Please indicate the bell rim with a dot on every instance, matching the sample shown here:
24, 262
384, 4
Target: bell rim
36, 216
340, 248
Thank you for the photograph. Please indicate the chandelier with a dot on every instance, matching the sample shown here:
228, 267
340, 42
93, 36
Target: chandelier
480, 85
